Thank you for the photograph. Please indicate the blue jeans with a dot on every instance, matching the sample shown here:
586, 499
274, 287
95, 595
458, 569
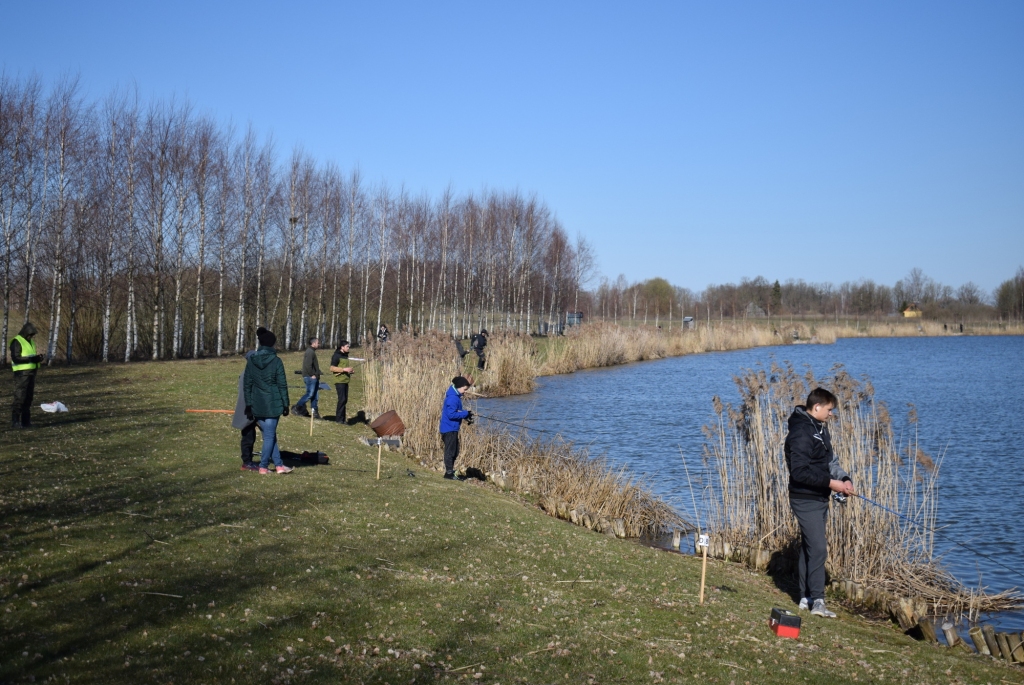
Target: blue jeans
270, 449
311, 393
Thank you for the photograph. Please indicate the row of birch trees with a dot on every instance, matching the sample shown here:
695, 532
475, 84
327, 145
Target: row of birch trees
136, 230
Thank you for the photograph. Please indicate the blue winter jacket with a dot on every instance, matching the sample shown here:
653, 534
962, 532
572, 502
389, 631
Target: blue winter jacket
451, 412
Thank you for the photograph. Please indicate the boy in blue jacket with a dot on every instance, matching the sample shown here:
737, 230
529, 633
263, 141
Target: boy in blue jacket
452, 416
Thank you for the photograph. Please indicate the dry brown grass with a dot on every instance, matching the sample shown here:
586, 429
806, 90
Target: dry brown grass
912, 328
411, 376
749, 502
606, 344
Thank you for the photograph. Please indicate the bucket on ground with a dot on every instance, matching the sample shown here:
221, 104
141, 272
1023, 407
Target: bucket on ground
388, 424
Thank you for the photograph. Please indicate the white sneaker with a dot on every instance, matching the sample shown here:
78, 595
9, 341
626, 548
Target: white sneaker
820, 610
805, 603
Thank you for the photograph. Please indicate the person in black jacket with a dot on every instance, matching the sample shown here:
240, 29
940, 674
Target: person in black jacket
479, 342
814, 474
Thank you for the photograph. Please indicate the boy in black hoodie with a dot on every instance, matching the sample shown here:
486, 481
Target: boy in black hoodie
814, 474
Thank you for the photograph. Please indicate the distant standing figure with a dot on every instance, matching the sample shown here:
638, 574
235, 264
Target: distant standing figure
383, 333
24, 364
311, 377
814, 474
479, 342
452, 416
266, 398
342, 375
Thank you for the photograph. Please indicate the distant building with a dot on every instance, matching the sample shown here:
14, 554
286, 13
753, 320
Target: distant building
573, 318
687, 322
913, 311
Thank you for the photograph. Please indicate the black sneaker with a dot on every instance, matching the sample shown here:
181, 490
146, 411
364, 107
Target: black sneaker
453, 476
300, 410
316, 415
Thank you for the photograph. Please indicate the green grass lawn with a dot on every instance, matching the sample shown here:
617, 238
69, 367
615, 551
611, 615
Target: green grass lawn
135, 550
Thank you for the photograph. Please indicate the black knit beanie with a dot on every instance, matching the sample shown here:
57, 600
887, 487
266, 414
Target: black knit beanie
265, 337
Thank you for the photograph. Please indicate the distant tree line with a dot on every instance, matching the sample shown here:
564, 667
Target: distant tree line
136, 230
656, 301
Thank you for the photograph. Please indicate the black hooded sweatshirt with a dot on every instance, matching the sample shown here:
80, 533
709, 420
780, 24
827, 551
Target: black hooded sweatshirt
808, 456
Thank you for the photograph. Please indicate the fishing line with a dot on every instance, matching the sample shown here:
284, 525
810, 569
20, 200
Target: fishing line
939, 532
517, 425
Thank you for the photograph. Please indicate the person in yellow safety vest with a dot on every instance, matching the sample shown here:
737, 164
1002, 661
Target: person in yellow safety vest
24, 363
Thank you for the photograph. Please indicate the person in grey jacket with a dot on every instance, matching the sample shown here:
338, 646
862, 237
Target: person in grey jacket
814, 474
311, 377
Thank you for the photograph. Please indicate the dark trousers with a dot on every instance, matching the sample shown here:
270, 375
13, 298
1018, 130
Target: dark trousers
812, 515
24, 389
342, 389
451, 450
248, 441
481, 359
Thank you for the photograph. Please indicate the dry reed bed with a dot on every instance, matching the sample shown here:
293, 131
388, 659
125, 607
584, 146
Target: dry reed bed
748, 502
606, 344
910, 328
411, 375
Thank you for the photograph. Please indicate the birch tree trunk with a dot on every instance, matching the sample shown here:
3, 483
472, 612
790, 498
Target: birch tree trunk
353, 196
384, 203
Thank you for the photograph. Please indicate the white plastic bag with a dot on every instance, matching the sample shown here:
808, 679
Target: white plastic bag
53, 407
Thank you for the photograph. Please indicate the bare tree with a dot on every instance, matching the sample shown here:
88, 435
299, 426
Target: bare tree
583, 267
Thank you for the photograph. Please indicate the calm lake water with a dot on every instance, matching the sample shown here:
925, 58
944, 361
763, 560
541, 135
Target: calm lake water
969, 394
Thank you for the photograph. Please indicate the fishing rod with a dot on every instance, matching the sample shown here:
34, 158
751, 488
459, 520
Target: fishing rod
939, 532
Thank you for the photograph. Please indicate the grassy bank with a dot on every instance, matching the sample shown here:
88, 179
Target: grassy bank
135, 551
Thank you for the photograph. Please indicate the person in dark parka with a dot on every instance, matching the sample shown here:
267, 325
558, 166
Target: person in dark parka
814, 474
452, 416
479, 342
243, 423
24, 364
266, 398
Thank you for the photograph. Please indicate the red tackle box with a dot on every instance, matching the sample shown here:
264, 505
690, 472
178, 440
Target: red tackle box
784, 623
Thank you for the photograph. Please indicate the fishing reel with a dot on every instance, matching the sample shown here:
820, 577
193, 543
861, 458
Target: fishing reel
839, 497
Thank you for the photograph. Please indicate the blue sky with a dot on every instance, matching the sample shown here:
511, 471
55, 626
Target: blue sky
702, 142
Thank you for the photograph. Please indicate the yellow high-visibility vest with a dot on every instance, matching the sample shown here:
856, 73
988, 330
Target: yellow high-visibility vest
27, 350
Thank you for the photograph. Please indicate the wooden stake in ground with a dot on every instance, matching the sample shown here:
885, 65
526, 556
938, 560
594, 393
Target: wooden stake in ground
380, 444
703, 542
316, 391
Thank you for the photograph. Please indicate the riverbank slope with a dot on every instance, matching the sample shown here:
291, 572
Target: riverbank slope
134, 550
